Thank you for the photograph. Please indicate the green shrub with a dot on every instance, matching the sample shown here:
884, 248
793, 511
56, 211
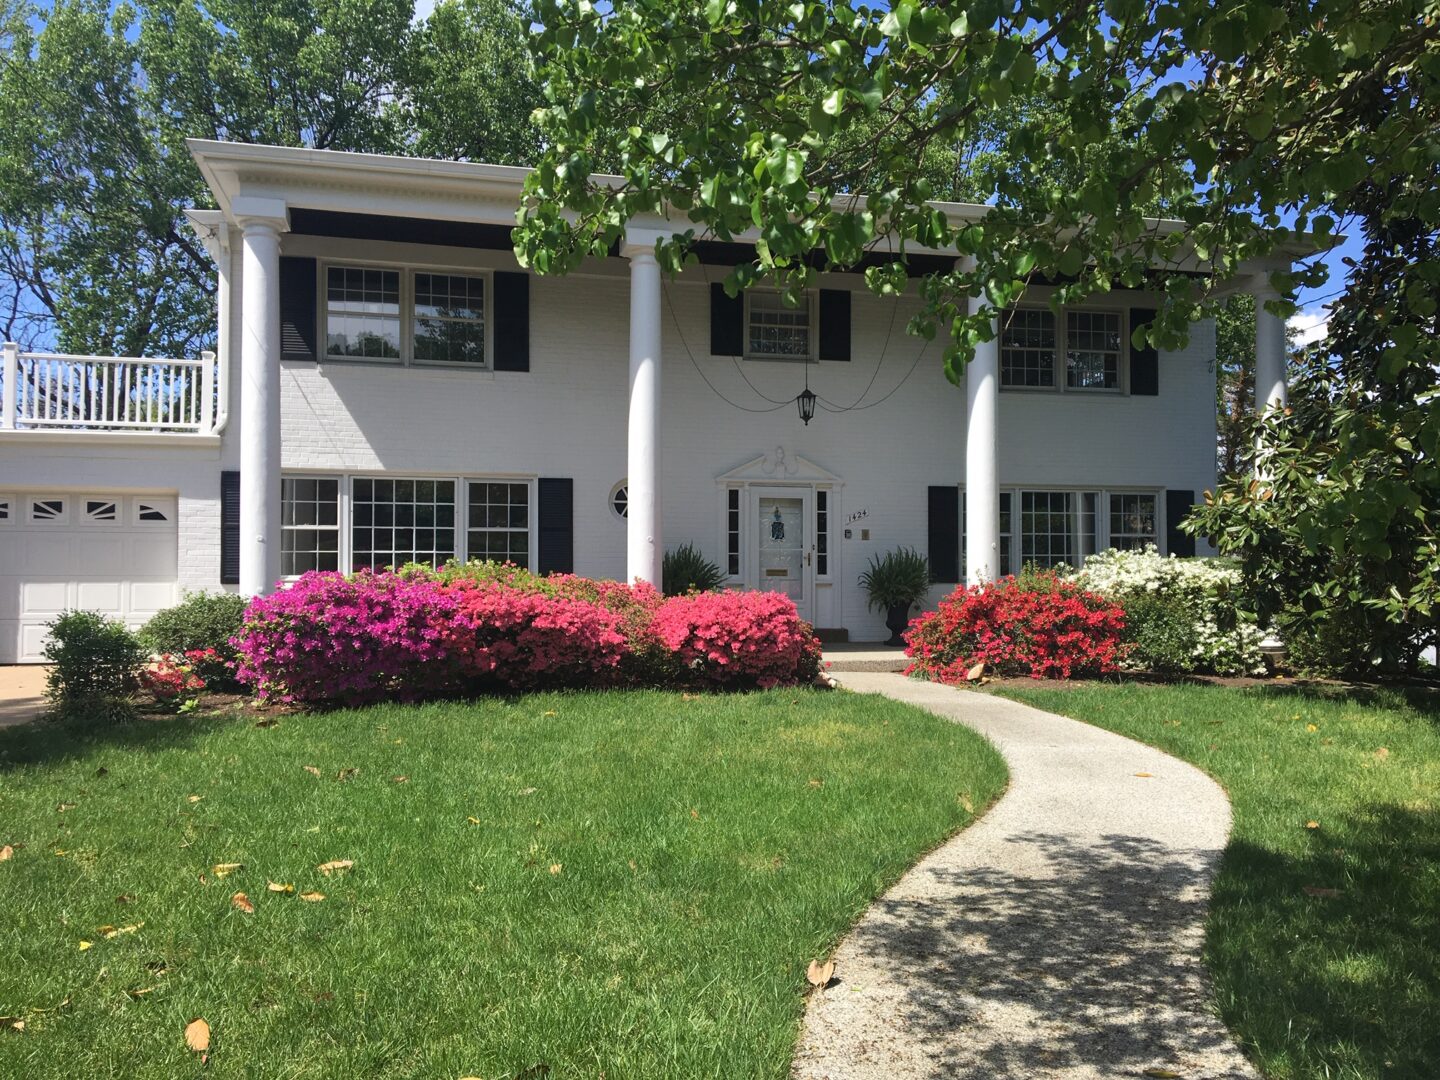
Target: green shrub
94, 660
199, 622
1162, 633
687, 570
899, 578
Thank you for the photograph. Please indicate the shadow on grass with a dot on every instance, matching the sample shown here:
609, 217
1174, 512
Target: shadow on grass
1086, 961
49, 742
1423, 698
1331, 960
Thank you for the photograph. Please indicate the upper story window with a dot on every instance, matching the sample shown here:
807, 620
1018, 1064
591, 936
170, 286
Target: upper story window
775, 331
1086, 345
420, 317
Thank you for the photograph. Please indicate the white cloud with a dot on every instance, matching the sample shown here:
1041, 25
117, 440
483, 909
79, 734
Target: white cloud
1308, 326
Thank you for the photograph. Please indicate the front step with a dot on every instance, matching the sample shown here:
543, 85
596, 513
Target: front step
864, 656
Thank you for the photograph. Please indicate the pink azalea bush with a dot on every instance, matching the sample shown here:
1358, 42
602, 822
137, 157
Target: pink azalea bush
525, 640
739, 639
359, 639
423, 633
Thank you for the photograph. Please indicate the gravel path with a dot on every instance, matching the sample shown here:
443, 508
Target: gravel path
1058, 937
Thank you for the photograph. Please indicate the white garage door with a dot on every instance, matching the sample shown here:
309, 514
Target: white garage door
116, 554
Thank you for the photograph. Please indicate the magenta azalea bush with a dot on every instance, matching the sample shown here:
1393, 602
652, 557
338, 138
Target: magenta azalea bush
359, 639
739, 639
422, 633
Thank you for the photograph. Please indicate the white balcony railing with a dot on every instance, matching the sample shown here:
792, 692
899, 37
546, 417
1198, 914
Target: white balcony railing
56, 392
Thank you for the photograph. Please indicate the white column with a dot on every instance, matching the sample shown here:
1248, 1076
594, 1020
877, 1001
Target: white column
10, 394
982, 481
644, 547
1270, 354
260, 406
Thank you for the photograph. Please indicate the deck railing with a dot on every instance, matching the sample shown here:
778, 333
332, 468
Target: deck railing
58, 392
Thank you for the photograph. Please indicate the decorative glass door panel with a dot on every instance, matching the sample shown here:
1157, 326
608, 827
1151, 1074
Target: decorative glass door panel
782, 546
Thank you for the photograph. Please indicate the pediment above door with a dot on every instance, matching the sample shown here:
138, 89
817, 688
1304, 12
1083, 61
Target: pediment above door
778, 466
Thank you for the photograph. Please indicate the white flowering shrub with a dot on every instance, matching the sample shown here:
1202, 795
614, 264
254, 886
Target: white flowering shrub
1182, 615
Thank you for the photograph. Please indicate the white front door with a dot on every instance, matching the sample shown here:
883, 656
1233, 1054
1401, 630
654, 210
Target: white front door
784, 546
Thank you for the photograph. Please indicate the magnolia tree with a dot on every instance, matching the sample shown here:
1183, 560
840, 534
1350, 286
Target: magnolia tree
825, 127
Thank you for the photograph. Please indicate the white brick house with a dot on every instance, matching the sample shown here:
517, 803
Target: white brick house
390, 385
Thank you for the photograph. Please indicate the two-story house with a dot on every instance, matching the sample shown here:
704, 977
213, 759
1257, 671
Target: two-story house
391, 386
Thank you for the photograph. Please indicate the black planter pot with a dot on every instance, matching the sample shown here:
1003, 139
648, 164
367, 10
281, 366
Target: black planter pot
897, 618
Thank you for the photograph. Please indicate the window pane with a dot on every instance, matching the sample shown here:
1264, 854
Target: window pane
309, 536
499, 522
1132, 521
392, 522
449, 319
777, 330
1092, 350
362, 312
1027, 347
1046, 528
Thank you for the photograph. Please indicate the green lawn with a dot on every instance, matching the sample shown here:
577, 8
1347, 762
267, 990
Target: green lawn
1331, 791
626, 884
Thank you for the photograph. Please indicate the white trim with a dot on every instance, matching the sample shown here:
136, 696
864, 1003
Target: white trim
66, 501
177, 439
407, 270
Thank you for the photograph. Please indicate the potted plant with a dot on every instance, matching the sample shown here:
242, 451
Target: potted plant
896, 582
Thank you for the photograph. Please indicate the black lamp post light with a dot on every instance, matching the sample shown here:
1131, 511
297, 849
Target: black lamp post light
805, 402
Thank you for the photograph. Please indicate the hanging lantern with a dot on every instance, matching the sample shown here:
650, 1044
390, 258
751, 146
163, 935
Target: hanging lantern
805, 402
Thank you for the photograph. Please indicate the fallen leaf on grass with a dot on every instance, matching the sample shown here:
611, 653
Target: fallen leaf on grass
6, 852
137, 992
125, 898
62, 807
399, 779
818, 974
311, 769
816, 783
528, 791
1382, 753
1312, 824
197, 1038
86, 945
965, 802
1317, 890
555, 868
242, 903
12, 1023
347, 774
335, 865
268, 722
473, 820
312, 897
275, 886
695, 813
224, 868
110, 931
1312, 727
193, 798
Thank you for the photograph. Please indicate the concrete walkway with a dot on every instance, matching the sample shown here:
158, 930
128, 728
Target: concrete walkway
1058, 937
22, 693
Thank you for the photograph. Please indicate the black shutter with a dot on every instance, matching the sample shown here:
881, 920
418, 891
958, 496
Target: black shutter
512, 321
834, 324
1177, 505
556, 510
727, 322
298, 319
944, 528
1144, 363
230, 528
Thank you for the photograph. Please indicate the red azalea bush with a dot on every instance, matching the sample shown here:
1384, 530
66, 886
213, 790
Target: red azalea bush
357, 639
171, 679
739, 639
1036, 624
524, 640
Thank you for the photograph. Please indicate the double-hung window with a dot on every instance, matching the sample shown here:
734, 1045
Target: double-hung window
309, 524
394, 522
406, 316
1132, 520
1081, 350
776, 331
